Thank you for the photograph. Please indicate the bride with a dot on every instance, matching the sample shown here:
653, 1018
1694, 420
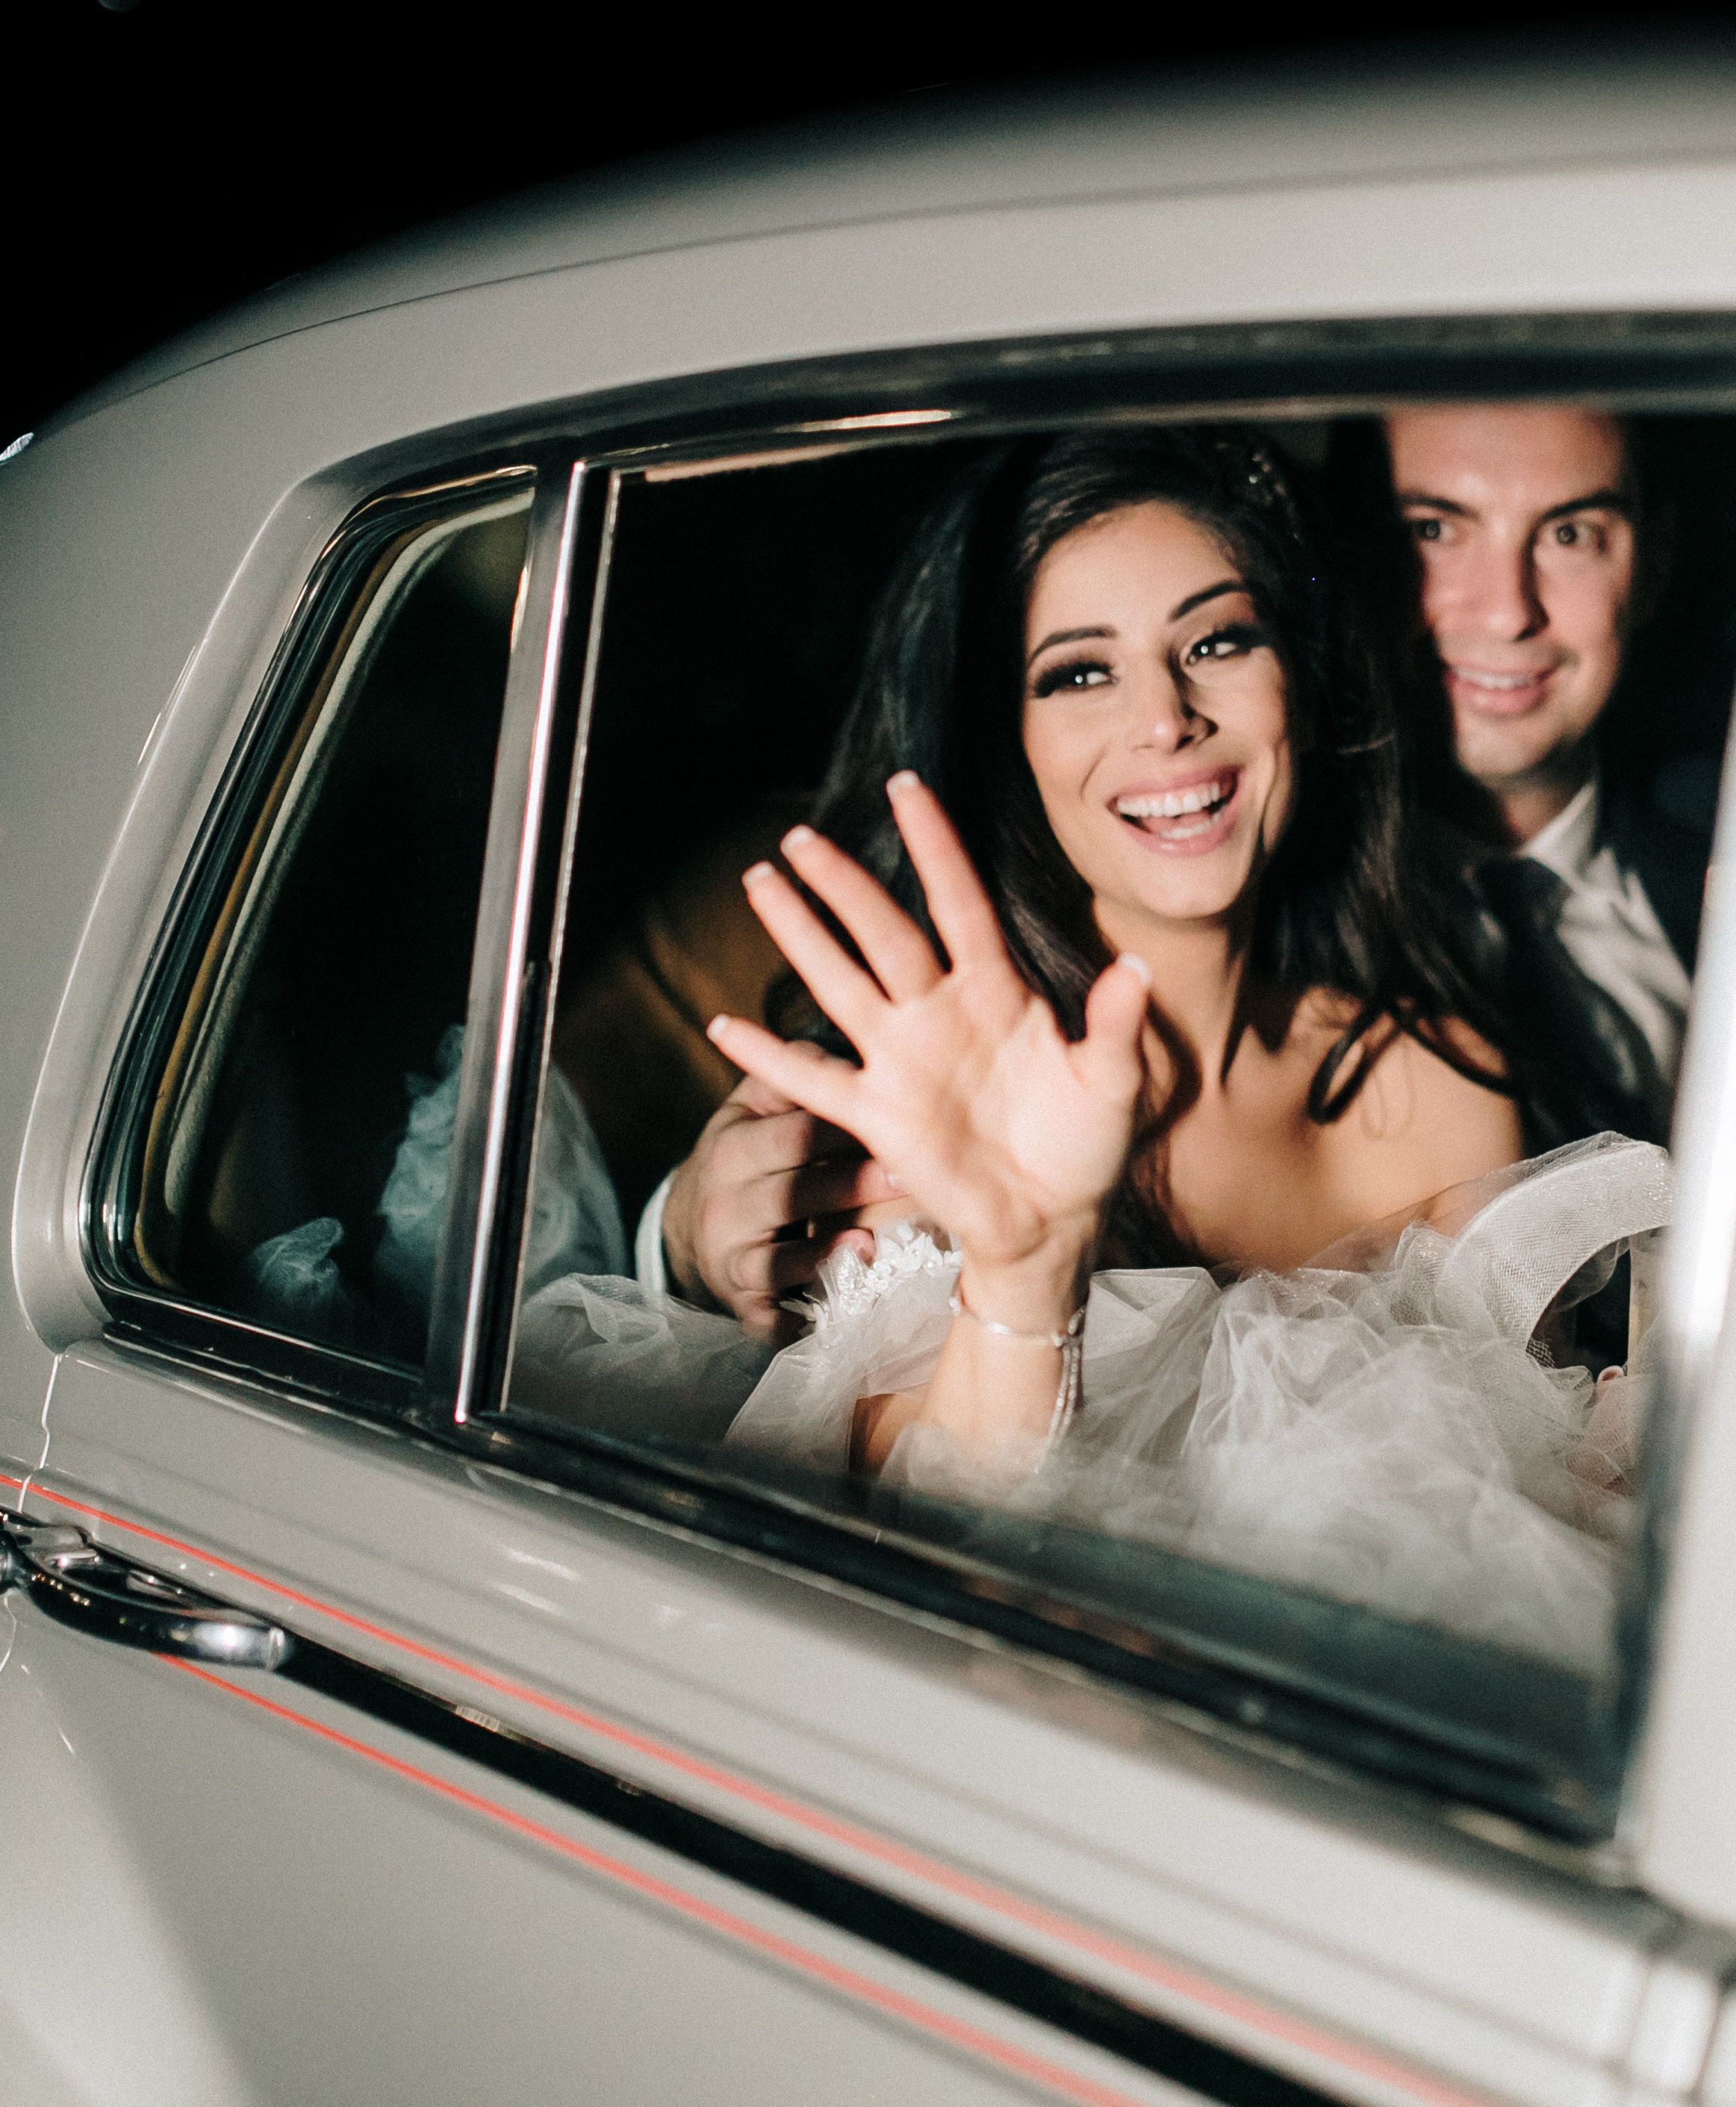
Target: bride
1130, 987
1173, 997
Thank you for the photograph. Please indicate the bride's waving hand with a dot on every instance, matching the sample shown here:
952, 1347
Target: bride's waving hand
969, 1094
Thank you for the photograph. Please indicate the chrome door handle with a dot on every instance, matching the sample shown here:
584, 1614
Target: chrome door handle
79, 1584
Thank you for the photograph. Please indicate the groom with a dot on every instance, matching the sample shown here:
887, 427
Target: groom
1540, 550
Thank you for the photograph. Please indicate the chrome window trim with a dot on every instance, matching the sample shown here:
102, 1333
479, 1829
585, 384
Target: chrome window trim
510, 1013
1680, 360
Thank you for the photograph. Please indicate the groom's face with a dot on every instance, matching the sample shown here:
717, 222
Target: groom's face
1524, 517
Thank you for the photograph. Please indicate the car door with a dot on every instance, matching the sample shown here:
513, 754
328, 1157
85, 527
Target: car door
276, 1748
569, 1762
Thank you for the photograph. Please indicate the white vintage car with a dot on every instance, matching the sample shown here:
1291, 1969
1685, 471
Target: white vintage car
386, 656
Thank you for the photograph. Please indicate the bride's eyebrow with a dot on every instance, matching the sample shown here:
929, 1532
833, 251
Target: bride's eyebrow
1209, 592
1065, 636
1181, 607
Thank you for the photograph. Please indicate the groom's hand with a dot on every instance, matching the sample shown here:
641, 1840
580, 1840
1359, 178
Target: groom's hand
764, 1196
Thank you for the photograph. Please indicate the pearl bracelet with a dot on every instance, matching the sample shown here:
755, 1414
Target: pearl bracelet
1069, 1344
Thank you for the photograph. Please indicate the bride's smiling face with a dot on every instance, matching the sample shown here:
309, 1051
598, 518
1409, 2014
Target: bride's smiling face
1156, 720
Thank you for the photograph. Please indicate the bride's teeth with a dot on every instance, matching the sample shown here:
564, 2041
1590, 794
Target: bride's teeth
1174, 804
1503, 683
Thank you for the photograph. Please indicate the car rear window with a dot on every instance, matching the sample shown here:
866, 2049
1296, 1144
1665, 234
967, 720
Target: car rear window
303, 1067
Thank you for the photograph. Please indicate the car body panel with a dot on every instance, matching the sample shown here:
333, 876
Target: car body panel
270, 1867
1682, 1767
1297, 126
1278, 1920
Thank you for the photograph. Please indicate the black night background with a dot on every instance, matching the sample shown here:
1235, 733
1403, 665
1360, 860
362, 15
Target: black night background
163, 158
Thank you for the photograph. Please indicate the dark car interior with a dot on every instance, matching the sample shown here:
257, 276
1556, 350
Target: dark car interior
353, 957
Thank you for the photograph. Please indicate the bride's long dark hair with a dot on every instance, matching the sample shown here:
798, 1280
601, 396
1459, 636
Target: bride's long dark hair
942, 691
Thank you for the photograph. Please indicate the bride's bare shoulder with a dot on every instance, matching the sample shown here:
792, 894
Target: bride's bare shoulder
1421, 1119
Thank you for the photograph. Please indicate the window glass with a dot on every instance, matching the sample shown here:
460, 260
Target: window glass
1336, 1461
287, 1162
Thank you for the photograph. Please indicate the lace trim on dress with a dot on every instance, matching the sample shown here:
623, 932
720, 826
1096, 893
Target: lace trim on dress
849, 1286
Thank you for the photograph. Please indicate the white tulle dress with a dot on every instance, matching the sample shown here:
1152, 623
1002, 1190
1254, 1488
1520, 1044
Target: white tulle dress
1380, 1426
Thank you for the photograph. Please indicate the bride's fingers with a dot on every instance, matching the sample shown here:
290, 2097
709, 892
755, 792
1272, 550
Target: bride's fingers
1109, 1061
956, 901
819, 1083
897, 950
847, 995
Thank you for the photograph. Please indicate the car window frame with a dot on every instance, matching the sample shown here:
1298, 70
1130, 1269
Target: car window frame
1229, 372
515, 960
292, 696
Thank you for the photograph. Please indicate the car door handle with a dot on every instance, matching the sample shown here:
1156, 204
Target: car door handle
91, 1590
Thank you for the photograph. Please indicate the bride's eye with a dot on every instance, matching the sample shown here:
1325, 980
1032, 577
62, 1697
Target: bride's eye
1073, 677
1234, 640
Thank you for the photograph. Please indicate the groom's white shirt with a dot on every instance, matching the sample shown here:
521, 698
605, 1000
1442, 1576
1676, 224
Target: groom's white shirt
649, 1267
1611, 931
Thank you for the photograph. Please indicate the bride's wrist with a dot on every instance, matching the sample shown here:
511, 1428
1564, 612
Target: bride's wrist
1038, 1292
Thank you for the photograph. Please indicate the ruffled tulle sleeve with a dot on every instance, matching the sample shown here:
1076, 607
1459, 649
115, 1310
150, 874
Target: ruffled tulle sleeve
877, 1327
1386, 1426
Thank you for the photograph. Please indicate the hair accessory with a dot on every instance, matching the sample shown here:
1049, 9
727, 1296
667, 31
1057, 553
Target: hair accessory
1069, 1344
1269, 486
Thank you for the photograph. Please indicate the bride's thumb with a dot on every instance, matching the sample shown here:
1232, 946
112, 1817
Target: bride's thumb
1109, 1057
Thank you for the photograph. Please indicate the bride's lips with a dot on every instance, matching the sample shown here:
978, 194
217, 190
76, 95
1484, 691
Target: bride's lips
1186, 816
1498, 692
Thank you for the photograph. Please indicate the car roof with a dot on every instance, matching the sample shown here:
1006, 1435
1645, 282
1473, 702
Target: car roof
1311, 119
